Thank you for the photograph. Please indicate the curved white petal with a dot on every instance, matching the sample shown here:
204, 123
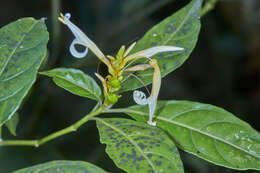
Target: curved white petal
152, 51
76, 53
83, 39
140, 97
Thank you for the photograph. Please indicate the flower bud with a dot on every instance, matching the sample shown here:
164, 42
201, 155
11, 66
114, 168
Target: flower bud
115, 83
112, 98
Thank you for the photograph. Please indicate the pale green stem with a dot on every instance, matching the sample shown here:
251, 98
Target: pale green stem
209, 5
54, 135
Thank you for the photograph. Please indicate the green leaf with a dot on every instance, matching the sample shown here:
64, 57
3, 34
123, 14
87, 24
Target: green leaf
22, 49
0, 134
12, 123
206, 131
181, 30
63, 167
137, 147
76, 82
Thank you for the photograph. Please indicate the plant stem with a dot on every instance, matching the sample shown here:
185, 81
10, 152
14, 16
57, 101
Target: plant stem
210, 4
72, 128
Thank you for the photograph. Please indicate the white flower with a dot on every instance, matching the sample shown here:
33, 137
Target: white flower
82, 39
140, 98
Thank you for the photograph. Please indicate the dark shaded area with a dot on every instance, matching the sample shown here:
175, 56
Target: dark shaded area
223, 70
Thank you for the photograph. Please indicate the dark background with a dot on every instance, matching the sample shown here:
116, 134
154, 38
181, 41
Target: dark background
223, 70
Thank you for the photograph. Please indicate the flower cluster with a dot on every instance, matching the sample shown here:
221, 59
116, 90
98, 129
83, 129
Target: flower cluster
117, 66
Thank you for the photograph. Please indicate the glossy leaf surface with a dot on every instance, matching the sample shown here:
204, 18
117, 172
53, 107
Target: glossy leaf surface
181, 30
76, 82
63, 167
22, 49
137, 147
206, 131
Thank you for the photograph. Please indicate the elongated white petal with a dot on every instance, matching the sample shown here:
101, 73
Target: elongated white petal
139, 67
82, 39
140, 97
152, 51
76, 53
152, 106
129, 49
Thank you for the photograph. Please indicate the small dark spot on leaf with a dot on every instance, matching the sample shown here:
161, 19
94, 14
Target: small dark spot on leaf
142, 146
15, 44
24, 33
157, 163
149, 155
122, 155
164, 66
170, 29
179, 165
151, 171
117, 145
173, 148
154, 44
152, 143
122, 162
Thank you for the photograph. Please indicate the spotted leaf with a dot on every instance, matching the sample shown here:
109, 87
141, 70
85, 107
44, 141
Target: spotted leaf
76, 82
181, 30
22, 49
63, 167
206, 131
137, 147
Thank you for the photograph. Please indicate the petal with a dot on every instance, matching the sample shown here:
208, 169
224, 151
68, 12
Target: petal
103, 81
152, 106
140, 97
147, 53
76, 53
83, 39
139, 67
129, 49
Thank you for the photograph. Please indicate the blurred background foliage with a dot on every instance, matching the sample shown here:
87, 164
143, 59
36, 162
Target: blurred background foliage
223, 70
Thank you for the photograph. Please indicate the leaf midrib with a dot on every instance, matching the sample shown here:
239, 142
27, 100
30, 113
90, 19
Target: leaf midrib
177, 30
19, 43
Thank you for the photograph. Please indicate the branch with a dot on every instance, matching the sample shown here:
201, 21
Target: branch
72, 128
